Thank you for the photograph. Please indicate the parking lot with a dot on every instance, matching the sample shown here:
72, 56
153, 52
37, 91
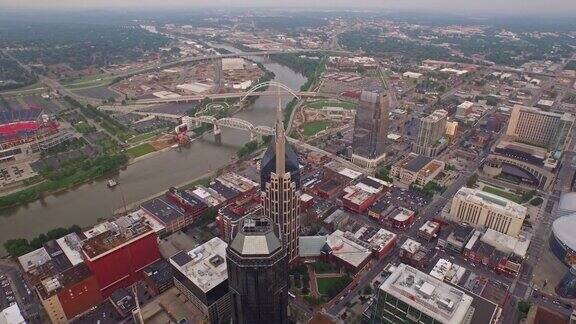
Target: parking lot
7, 297
16, 172
406, 198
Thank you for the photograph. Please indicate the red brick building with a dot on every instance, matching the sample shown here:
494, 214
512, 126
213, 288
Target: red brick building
117, 252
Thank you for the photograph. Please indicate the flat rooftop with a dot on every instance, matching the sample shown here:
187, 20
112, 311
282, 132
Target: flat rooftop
345, 247
436, 115
492, 201
356, 195
163, 210
205, 265
116, 234
429, 227
417, 163
187, 197
410, 246
437, 299
431, 167
236, 181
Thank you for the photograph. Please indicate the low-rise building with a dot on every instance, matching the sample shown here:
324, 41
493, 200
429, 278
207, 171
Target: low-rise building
348, 251
11, 315
429, 230
415, 255
381, 241
170, 215
399, 218
159, 277
457, 239
363, 194
416, 169
64, 284
231, 216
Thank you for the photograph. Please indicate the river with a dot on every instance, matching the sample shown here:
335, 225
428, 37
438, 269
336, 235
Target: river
86, 204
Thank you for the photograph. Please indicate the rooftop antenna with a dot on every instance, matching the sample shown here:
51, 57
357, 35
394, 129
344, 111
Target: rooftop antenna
280, 139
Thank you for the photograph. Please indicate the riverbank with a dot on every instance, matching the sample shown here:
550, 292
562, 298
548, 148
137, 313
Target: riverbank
88, 171
134, 205
92, 201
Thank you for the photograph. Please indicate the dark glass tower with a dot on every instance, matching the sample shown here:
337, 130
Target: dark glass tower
371, 124
257, 274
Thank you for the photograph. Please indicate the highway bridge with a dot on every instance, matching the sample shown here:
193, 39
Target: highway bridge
254, 91
191, 98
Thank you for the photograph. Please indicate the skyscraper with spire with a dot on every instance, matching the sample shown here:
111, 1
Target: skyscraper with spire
280, 183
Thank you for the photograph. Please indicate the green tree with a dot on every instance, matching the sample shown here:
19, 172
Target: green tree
17, 247
523, 307
472, 181
367, 290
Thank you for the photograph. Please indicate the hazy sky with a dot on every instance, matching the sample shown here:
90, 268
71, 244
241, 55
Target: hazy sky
567, 7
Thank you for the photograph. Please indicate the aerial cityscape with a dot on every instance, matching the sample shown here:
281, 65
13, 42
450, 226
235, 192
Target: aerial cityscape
256, 162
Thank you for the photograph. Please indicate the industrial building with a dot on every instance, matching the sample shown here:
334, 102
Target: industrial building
201, 276
485, 210
258, 274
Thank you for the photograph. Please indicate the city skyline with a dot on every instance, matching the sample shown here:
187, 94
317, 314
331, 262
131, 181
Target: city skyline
298, 165
563, 7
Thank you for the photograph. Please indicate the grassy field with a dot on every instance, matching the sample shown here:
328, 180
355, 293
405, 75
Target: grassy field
313, 128
89, 81
325, 283
140, 150
146, 136
323, 267
84, 128
319, 104
504, 194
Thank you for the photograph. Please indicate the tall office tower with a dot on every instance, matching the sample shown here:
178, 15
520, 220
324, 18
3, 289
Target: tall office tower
431, 139
257, 274
539, 128
371, 128
280, 194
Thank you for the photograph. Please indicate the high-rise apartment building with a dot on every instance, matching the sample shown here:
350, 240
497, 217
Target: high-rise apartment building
257, 274
431, 138
280, 197
540, 128
371, 128
481, 209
